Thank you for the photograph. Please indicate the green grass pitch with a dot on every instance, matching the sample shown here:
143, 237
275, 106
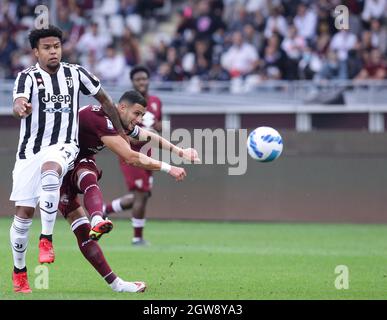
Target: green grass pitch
214, 260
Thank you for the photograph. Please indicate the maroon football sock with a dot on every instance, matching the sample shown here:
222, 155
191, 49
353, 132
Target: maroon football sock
92, 195
109, 208
137, 232
93, 252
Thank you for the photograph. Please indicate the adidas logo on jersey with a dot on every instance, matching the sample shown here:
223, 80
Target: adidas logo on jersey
60, 98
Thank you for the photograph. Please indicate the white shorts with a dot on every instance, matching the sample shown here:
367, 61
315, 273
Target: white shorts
26, 174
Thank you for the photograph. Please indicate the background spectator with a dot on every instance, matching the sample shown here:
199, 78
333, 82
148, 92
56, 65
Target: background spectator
375, 67
241, 58
111, 68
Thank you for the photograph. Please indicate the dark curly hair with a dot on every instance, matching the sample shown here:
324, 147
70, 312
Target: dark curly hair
139, 68
36, 34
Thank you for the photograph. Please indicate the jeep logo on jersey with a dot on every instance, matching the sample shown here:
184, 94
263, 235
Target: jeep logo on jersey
59, 98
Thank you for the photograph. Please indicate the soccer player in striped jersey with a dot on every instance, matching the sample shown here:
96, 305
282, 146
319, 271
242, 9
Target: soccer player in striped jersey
97, 132
46, 99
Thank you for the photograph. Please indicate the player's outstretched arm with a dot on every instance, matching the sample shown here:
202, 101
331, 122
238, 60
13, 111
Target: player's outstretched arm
119, 146
108, 107
157, 140
21, 108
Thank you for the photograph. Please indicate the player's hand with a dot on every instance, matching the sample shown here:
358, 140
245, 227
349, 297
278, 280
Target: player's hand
178, 173
23, 109
190, 154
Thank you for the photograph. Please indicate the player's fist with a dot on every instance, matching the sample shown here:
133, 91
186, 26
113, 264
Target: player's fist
190, 154
22, 108
148, 120
178, 173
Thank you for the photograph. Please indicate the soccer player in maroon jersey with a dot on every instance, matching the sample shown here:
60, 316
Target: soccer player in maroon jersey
139, 181
96, 132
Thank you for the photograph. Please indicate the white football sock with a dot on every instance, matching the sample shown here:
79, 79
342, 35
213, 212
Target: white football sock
49, 200
116, 205
19, 240
95, 220
138, 223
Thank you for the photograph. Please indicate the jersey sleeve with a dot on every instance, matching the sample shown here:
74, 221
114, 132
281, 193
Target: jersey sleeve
89, 83
135, 132
104, 127
159, 110
23, 86
96, 122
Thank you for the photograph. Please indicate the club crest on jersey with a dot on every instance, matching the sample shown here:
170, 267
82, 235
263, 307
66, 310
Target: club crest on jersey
40, 83
69, 82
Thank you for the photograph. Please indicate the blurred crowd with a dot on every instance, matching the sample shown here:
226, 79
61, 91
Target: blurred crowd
256, 40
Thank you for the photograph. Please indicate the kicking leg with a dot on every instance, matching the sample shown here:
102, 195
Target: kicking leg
93, 253
93, 200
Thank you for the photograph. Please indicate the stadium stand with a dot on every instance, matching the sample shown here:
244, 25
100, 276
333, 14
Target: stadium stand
179, 40
287, 51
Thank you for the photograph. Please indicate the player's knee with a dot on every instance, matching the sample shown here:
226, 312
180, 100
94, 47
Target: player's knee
50, 180
24, 212
52, 165
86, 181
139, 204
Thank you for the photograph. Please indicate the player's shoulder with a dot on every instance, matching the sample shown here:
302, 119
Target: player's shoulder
94, 118
154, 98
94, 113
72, 66
91, 115
154, 103
94, 110
29, 70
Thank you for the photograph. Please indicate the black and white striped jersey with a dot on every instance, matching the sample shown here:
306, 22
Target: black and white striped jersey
55, 105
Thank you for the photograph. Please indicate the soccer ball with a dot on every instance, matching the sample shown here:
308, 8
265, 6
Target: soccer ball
264, 144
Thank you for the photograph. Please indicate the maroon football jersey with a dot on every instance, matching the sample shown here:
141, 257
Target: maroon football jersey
94, 124
152, 115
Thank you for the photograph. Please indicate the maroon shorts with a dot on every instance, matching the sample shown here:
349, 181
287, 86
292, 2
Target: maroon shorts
137, 178
69, 200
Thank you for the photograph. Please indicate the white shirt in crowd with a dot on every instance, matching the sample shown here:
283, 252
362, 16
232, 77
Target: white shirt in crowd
258, 5
90, 42
111, 69
241, 59
342, 42
293, 46
278, 24
374, 9
306, 25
